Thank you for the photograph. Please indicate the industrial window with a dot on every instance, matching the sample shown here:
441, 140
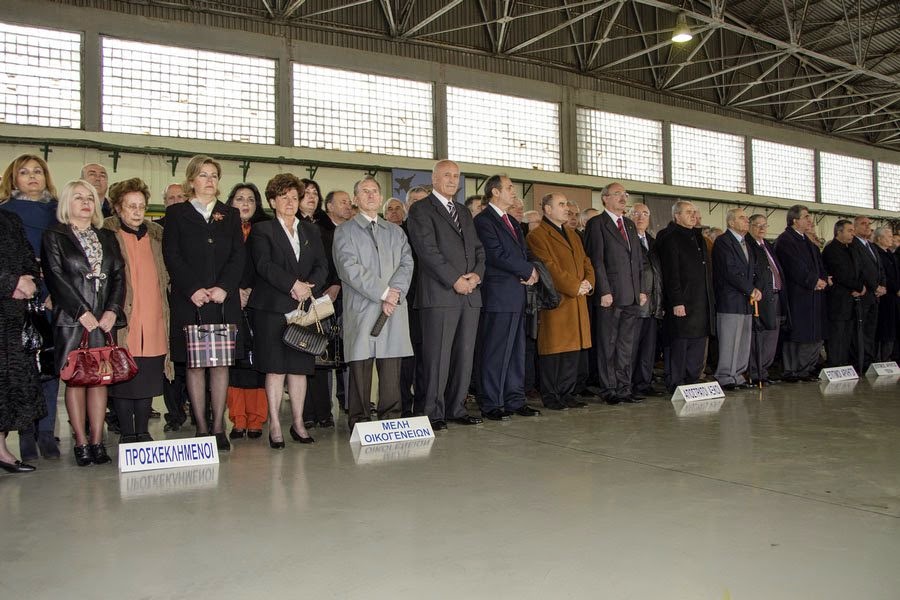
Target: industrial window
358, 112
846, 180
708, 159
502, 130
613, 145
888, 186
784, 171
180, 92
40, 77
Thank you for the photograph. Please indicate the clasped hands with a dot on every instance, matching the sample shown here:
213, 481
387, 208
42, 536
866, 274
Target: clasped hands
90, 322
531, 280
391, 301
206, 295
466, 284
301, 290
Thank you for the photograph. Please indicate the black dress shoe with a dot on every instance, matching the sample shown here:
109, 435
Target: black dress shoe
651, 392
468, 420
406, 414
309, 424
810, 378
637, 396
771, 381
790, 379
438, 425
82, 455
495, 415
154, 414
222, 442
127, 439
237, 434
613, 400
573, 403
729, 387
527, 411
254, 434
171, 427
16, 467
275, 445
144, 437
98, 454
299, 438
327, 423
555, 406
632, 399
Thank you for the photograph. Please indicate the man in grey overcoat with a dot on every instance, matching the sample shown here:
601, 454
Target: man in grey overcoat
375, 264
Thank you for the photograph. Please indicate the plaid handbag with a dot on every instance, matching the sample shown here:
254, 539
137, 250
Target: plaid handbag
212, 344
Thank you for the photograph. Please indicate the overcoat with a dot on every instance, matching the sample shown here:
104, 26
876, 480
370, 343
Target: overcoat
888, 304
686, 281
803, 265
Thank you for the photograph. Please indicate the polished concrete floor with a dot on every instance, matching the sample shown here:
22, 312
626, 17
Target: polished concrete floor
789, 493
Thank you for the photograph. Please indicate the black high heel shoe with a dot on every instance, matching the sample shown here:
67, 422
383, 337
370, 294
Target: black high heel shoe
275, 445
16, 467
98, 454
299, 438
82, 455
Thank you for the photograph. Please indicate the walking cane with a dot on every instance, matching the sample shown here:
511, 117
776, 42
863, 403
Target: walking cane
756, 327
860, 351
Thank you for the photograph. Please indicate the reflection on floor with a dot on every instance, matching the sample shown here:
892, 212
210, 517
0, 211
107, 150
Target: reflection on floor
793, 492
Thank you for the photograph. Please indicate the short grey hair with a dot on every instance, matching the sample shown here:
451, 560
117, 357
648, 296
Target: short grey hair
363, 180
731, 215
417, 190
880, 231
679, 207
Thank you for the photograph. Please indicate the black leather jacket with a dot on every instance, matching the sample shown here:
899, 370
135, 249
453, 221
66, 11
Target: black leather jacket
65, 267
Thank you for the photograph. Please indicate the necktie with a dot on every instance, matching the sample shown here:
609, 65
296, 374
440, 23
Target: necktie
645, 244
453, 215
772, 266
744, 250
872, 252
509, 226
372, 226
621, 226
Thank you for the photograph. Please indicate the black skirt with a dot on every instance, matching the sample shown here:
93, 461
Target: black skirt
148, 383
270, 354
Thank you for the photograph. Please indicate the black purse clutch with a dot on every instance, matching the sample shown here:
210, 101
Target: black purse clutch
37, 338
308, 339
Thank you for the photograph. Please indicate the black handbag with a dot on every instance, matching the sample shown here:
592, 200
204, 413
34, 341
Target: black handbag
309, 339
37, 338
245, 329
333, 357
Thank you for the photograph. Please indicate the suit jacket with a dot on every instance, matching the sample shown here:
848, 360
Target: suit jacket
765, 283
841, 262
617, 263
803, 265
733, 274
445, 253
368, 264
566, 328
651, 279
870, 267
686, 281
506, 263
272, 256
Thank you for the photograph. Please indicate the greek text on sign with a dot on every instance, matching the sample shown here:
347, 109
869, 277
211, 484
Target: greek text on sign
368, 433
883, 368
845, 373
698, 391
168, 454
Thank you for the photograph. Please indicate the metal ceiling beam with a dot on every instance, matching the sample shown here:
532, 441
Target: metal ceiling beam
598, 44
759, 79
451, 4
388, 12
688, 59
292, 8
560, 26
726, 70
842, 76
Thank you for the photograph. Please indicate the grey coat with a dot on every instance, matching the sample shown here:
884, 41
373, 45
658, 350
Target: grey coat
366, 271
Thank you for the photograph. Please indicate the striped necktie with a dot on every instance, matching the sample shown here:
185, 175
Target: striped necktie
453, 215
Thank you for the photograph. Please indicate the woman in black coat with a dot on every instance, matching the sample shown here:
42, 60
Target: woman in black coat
21, 401
85, 273
290, 266
204, 252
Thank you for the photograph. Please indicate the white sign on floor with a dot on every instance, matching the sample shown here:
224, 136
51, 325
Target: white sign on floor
832, 374
368, 433
168, 454
883, 368
392, 452
838, 388
698, 391
698, 407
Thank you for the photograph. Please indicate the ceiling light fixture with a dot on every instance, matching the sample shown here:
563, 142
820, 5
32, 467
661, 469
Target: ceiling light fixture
681, 33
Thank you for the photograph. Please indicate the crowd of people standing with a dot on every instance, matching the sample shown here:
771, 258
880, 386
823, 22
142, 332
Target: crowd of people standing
446, 300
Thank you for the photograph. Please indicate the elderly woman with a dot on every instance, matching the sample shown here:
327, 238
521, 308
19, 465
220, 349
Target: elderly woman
203, 248
247, 405
20, 396
85, 274
886, 336
290, 264
394, 211
27, 190
146, 308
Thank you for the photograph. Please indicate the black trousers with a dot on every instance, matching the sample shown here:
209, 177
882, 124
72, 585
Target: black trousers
447, 360
838, 344
175, 396
412, 383
501, 382
614, 334
558, 375
360, 391
317, 407
684, 361
870, 329
643, 354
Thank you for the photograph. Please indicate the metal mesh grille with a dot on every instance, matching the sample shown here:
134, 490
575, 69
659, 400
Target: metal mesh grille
846, 180
179, 92
496, 129
614, 145
784, 171
357, 112
40, 77
708, 159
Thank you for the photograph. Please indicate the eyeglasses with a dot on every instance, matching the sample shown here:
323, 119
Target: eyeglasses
140, 207
641, 213
620, 194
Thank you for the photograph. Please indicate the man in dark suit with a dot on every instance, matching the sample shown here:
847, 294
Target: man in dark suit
501, 385
412, 378
873, 277
844, 295
451, 265
611, 242
769, 281
734, 277
805, 281
687, 296
644, 354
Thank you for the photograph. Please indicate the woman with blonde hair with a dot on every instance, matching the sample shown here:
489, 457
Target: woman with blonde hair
85, 274
27, 190
203, 248
146, 308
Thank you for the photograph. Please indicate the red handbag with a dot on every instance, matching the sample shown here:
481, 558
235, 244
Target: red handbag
106, 365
